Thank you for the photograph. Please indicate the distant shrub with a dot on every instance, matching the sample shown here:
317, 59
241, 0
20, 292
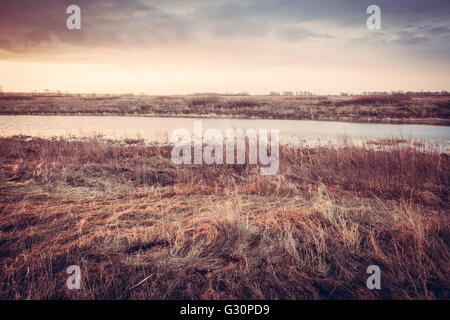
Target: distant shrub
198, 101
325, 102
8, 97
162, 98
378, 99
246, 103
443, 109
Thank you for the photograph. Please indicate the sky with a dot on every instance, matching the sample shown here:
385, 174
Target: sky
255, 46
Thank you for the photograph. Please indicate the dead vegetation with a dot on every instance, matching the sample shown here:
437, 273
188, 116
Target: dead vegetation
399, 108
142, 228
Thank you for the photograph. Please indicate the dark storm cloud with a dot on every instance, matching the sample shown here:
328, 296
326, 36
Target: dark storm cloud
28, 24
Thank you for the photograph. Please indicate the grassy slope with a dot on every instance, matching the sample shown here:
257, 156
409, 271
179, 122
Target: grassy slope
140, 227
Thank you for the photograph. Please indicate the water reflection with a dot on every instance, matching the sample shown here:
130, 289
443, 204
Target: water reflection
303, 132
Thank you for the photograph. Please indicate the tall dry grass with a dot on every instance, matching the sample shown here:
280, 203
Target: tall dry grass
141, 228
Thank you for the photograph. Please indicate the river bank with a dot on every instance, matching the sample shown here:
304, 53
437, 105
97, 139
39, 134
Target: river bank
364, 109
141, 227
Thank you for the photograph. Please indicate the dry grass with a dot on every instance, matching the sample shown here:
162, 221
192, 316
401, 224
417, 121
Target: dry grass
141, 228
388, 109
395, 99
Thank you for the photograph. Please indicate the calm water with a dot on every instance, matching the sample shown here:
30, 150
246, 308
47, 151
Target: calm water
160, 129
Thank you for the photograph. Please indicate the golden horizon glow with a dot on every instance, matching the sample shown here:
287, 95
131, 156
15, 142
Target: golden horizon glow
236, 52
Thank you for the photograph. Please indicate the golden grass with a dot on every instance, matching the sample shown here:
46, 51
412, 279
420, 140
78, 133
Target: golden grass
141, 228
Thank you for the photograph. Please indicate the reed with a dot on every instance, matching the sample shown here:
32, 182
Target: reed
142, 228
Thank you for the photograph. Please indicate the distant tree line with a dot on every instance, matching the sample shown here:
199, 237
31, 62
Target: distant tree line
291, 93
408, 93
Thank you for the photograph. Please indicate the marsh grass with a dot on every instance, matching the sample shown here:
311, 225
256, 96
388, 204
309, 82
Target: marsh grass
381, 108
142, 228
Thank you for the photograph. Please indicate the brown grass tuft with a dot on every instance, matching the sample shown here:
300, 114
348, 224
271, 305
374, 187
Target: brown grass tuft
141, 228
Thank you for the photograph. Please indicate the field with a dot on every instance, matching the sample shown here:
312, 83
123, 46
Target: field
400, 108
140, 227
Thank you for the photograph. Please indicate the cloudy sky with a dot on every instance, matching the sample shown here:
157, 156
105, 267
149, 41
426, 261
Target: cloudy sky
172, 47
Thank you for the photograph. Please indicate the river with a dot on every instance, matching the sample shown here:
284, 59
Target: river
158, 130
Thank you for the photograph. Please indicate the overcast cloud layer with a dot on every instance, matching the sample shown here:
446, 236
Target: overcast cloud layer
27, 24
211, 44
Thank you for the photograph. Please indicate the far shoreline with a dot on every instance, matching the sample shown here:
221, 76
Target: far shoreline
384, 109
